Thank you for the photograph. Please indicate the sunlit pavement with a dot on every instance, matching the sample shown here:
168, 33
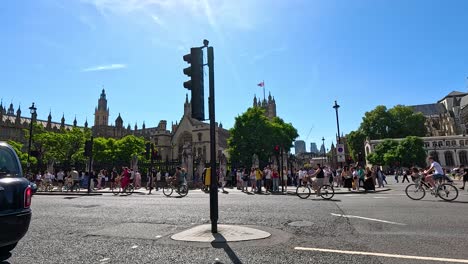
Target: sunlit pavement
384, 227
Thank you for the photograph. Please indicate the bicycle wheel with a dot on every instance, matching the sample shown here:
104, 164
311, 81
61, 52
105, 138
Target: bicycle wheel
447, 192
130, 189
327, 192
167, 190
116, 190
183, 190
303, 192
76, 187
415, 191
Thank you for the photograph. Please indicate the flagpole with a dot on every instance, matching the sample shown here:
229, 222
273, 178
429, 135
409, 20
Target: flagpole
264, 97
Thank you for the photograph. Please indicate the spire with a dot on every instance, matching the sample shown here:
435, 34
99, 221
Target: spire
255, 101
103, 93
128, 127
86, 123
136, 127
62, 123
186, 98
49, 117
144, 126
269, 96
74, 122
18, 112
11, 110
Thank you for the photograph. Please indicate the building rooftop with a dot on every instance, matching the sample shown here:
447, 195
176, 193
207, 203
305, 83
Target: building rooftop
429, 109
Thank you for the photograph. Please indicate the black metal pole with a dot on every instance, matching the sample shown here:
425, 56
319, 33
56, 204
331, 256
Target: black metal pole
336, 106
29, 144
90, 164
281, 168
151, 168
214, 176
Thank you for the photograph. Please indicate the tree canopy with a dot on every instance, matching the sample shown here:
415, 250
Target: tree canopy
381, 123
253, 133
407, 153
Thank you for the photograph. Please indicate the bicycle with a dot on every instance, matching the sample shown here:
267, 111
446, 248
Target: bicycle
129, 189
304, 191
171, 186
45, 187
72, 186
445, 191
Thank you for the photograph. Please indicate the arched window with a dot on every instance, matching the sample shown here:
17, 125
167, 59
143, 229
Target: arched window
449, 159
434, 144
462, 143
454, 143
463, 157
441, 144
435, 155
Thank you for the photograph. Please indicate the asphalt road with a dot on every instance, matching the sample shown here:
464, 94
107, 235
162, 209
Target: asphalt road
137, 229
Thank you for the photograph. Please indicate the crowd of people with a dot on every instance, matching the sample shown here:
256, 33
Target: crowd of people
269, 179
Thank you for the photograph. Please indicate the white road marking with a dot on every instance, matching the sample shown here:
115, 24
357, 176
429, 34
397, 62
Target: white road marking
369, 219
158, 236
104, 259
135, 246
380, 197
382, 255
350, 195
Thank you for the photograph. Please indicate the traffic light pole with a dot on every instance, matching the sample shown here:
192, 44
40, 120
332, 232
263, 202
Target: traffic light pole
214, 175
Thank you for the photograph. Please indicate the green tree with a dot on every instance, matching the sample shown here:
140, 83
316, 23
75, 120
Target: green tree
128, 146
378, 156
410, 152
355, 141
253, 133
23, 156
381, 123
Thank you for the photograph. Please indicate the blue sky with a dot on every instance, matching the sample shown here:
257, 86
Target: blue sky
60, 54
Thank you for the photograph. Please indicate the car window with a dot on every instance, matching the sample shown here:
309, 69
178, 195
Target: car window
8, 164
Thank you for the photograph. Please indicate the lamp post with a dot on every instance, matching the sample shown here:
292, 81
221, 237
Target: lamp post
323, 144
32, 110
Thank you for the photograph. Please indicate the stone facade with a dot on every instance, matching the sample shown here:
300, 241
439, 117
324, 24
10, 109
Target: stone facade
450, 151
269, 106
187, 140
445, 118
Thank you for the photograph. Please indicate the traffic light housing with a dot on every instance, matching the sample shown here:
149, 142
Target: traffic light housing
276, 150
196, 82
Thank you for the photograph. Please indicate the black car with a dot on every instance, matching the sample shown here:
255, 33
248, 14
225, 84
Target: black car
15, 201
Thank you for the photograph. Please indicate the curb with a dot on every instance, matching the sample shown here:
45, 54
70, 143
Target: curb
67, 194
347, 192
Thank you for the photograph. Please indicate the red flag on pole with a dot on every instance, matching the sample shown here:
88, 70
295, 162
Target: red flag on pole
261, 84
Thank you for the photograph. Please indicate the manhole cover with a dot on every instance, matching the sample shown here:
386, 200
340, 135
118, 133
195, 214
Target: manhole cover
301, 223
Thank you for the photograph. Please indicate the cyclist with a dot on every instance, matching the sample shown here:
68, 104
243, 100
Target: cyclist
438, 172
319, 178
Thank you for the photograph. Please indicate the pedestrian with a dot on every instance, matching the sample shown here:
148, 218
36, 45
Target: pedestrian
338, 177
100, 176
239, 182
253, 179
286, 176
245, 180
405, 176
137, 179
258, 177
267, 175
222, 179
347, 178
355, 174
369, 182
60, 178
275, 180
397, 172
158, 180
362, 176
464, 174
380, 177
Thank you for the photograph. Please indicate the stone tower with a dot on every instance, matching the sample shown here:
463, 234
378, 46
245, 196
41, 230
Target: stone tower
269, 105
101, 113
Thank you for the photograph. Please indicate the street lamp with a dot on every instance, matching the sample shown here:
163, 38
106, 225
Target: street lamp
323, 144
32, 110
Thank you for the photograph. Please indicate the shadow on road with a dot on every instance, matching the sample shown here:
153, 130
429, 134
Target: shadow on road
323, 200
220, 242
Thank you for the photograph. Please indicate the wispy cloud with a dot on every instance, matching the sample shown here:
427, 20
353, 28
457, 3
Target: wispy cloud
105, 67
